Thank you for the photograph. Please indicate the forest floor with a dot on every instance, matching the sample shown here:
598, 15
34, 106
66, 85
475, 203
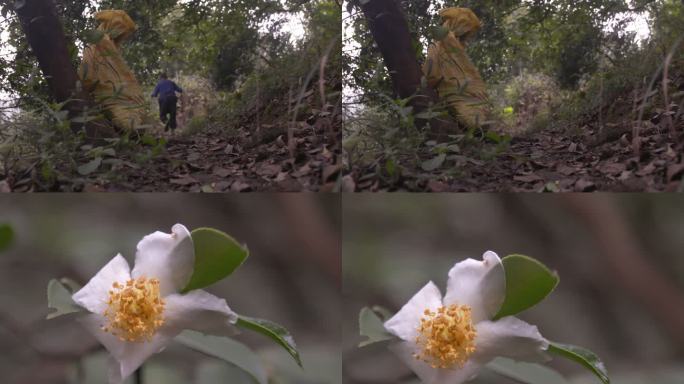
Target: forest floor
551, 160
281, 156
211, 162
214, 159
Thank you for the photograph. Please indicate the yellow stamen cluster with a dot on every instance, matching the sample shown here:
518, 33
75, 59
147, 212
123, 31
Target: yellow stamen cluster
447, 337
135, 310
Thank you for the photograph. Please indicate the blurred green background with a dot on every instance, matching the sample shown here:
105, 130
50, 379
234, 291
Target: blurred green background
292, 277
620, 260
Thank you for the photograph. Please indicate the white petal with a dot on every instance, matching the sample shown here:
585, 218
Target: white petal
137, 353
468, 372
478, 284
95, 294
200, 311
509, 337
405, 323
130, 356
406, 350
167, 257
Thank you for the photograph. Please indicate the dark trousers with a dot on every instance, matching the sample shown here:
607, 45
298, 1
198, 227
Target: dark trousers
167, 111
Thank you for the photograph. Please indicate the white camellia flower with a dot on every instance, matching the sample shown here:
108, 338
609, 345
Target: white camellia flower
448, 340
137, 313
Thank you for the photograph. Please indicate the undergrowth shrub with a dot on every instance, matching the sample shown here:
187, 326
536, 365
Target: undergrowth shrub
525, 103
285, 87
626, 84
39, 144
39, 150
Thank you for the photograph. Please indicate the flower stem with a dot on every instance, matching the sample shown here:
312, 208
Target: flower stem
139, 375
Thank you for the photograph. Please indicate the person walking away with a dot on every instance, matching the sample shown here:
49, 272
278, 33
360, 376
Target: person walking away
166, 91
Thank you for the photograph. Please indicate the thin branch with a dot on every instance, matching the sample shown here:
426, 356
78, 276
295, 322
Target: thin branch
623, 258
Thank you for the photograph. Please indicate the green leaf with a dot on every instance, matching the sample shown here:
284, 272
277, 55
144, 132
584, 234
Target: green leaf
226, 349
383, 312
71, 285
525, 372
527, 283
6, 236
274, 331
434, 164
87, 169
59, 299
585, 357
217, 255
372, 327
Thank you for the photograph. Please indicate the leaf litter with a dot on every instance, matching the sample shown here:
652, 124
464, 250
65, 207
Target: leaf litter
551, 160
209, 161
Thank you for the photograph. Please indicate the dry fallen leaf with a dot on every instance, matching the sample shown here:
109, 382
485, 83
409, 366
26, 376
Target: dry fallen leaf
240, 186
330, 172
584, 185
222, 172
675, 171
5, 187
348, 184
531, 178
184, 181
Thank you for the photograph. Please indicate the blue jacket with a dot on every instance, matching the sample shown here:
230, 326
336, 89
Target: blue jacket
166, 88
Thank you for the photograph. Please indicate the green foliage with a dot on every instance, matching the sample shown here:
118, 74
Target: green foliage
527, 283
145, 49
274, 331
526, 102
236, 56
6, 236
226, 50
59, 298
388, 132
434, 163
90, 167
525, 372
582, 356
43, 137
372, 327
217, 256
578, 53
231, 351
196, 124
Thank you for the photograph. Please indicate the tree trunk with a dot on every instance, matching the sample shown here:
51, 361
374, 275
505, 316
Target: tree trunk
45, 36
390, 30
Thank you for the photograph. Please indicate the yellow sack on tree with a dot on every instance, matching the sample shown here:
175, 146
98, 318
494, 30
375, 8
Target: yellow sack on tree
449, 69
106, 75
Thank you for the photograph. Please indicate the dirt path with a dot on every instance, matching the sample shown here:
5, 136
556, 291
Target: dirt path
548, 161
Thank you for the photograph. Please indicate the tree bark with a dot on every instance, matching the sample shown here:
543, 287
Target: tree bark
390, 30
45, 36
